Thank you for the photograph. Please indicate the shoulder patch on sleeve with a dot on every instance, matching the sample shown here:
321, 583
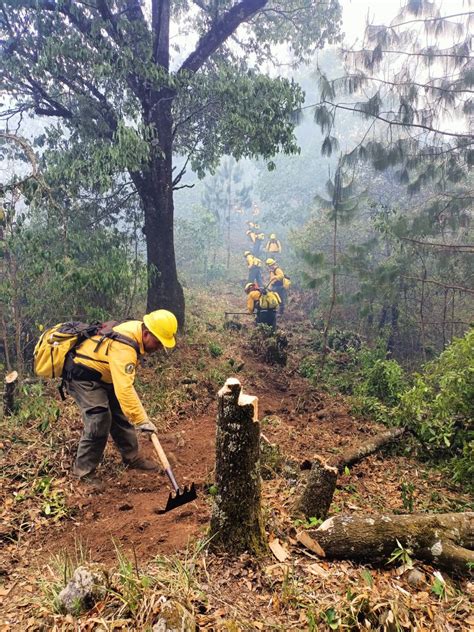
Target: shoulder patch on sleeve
129, 368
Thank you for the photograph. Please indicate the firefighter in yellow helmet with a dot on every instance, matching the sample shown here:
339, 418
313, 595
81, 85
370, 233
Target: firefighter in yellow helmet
251, 234
278, 282
255, 268
258, 243
273, 246
264, 302
100, 377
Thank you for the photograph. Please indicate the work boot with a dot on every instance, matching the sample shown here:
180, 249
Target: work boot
141, 463
92, 483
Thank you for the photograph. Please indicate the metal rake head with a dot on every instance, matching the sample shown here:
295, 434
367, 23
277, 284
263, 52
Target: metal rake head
181, 498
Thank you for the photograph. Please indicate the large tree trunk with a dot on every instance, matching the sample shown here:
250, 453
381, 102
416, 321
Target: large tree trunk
237, 523
155, 187
446, 540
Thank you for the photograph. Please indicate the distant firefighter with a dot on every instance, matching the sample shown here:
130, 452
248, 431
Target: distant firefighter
251, 234
279, 282
273, 245
255, 268
252, 225
257, 244
264, 303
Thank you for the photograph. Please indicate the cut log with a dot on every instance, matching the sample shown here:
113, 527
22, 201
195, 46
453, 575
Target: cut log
354, 454
445, 540
319, 490
236, 522
11, 380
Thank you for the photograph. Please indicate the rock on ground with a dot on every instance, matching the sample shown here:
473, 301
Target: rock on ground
82, 591
174, 617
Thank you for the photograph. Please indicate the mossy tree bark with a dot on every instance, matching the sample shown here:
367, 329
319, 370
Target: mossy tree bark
236, 522
446, 540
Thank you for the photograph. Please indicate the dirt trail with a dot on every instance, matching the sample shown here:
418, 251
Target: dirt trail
295, 416
125, 513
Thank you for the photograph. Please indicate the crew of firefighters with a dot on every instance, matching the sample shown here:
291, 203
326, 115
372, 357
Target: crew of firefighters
265, 299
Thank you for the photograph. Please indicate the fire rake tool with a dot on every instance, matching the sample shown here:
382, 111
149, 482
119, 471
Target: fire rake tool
181, 497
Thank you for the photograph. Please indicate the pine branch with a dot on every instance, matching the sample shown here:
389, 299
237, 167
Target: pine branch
435, 19
458, 247
438, 283
396, 123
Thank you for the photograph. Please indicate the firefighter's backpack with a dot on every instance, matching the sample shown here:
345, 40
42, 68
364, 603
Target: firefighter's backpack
269, 300
55, 343
286, 282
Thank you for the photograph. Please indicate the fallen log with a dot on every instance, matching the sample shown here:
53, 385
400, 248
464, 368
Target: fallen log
237, 521
445, 540
354, 454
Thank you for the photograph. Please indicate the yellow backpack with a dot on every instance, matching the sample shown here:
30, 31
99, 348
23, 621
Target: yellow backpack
286, 282
269, 300
55, 343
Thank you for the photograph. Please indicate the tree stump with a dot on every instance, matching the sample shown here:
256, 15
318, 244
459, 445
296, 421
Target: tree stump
11, 380
445, 540
319, 490
236, 522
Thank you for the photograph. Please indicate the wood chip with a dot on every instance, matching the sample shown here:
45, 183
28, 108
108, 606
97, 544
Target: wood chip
278, 551
306, 540
318, 570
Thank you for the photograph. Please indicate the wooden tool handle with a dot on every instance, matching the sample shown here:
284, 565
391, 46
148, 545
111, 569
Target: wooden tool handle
160, 452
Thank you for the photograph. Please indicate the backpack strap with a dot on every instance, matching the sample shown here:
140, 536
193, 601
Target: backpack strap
107, 332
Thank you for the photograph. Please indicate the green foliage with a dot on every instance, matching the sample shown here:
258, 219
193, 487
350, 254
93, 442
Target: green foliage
340, 340
401, 555
331, 618
408, 498
215, 349
439, 405
131, 584
308, 368
311, 523
34, 406
61, 270
384, 380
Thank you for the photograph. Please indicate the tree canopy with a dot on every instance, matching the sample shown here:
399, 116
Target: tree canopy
129, 83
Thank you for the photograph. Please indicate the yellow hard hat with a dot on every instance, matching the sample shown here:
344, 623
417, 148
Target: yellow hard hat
270, 262
163, 325
247, 253
273, 236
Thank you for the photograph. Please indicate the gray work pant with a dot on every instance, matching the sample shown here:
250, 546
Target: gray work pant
102, 415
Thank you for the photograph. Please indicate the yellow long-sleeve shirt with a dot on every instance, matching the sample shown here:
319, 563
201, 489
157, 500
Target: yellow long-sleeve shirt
276, 276
252, 299
116, 362
253, 261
